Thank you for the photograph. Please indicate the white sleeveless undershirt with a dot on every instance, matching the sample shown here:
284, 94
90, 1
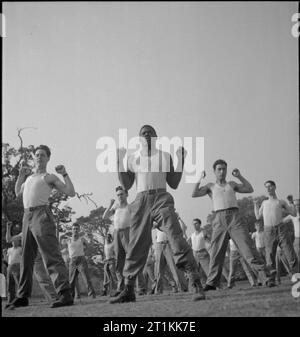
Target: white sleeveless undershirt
76, 248
223, 197
150, 172
36, 191
198, 241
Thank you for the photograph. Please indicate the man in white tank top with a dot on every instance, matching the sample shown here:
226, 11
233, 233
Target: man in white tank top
152, 170
275, 231
122, 221
78, 264
227, 223
39, 230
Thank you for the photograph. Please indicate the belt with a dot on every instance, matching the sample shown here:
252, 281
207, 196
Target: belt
166, 241
154, 191
228, 210
31, 209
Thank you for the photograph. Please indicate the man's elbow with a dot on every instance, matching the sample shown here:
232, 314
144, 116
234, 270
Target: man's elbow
71, 194
251, 190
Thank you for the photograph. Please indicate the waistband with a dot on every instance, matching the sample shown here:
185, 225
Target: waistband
122, 229
31, 209
165, 241
201, 250
227, 210
157, 190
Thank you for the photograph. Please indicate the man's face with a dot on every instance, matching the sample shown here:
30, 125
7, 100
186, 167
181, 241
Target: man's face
147, 136
40, 158
197, 225
75, 230
270, 188
121, 195
16, 243
221, 171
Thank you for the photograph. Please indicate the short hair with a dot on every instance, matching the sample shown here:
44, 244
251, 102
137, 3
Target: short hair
270, 182
76, 225
219, 162
121, 188
45, 148
198, 220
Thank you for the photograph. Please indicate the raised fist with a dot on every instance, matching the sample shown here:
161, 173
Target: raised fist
112, 201
181, 152
236, 173
60, 169
24, 170
121, 152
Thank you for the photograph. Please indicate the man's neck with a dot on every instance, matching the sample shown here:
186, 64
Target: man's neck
40, 170
123, 204
221, 181
75, 237
273, 197
148, 151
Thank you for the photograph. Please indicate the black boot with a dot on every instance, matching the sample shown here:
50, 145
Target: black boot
209, 287
127, 295
65, 299
197, 290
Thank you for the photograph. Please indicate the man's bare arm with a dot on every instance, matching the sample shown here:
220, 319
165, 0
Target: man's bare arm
258, 211
10, 238
23, 174
244, 187
174, 176
66, 187
126, 177
109, 212
201, 191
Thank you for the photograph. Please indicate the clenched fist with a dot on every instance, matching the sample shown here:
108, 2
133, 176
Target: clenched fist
236, 173
60, 169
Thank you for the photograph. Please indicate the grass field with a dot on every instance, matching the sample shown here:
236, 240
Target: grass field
237, 302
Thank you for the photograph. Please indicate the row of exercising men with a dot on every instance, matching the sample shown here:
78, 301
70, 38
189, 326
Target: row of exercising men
152, 170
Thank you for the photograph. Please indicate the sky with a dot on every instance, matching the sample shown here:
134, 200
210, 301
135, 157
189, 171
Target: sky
225, 71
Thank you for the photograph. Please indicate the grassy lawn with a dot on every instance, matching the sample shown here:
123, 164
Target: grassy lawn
239, 301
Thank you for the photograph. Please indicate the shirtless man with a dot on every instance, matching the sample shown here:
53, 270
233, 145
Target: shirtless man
227, 223
152, 170
39, 230
275, 231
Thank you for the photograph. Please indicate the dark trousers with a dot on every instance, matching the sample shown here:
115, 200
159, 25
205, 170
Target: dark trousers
13, 276
78, 265
235, 256
121, 240
274, 236
110, 278
39, 233
158, 207
227, 224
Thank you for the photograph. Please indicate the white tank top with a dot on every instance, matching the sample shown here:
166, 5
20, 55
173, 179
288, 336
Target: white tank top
76, 248
109, 250
161, 236
36, 191
223, 197
198, 241
122, 217
150, 172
